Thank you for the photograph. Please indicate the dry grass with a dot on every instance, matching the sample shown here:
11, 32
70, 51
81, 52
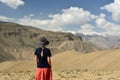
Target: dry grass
100, 60
69, 65
65, 75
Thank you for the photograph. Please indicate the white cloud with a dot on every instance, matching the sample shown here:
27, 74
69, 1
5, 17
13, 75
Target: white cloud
87, 27
71, 16
42, 24
100, 20
88, 30
70, 31
3, 18
13, 3
109, 27
114, 8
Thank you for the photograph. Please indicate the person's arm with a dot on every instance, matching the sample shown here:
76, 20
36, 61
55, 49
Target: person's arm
36, 59
49, 61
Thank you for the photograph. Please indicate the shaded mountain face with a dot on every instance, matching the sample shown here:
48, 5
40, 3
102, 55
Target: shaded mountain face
101, 41
19, 42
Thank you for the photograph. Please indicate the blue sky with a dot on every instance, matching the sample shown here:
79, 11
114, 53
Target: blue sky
100, 17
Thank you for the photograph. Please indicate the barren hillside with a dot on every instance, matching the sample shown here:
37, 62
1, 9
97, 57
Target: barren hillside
71, 60
69, 65
100, 60
19, 42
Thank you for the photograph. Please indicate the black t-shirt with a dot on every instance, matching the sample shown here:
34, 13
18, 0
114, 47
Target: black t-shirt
42, 60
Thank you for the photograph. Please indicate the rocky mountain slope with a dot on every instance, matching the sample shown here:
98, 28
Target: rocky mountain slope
19, 42
104, 42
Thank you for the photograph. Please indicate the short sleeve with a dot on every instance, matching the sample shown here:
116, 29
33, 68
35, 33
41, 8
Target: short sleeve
49, 53
36, 51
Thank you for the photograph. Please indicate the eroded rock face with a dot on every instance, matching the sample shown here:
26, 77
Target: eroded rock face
20, 41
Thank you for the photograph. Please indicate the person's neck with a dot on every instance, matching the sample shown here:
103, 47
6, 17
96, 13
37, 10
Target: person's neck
43, 47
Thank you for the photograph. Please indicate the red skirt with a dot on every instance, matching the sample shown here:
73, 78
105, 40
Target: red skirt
43, 74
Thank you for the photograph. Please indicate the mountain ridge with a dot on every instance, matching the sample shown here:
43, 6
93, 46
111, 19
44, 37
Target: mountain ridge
104, 42
20, 41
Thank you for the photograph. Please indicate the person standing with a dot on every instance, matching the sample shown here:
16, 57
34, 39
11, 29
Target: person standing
43, 61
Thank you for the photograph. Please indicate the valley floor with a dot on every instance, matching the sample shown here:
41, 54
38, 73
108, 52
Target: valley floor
64, 75
69, 65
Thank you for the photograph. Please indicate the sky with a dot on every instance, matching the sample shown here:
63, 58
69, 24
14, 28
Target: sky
92, 17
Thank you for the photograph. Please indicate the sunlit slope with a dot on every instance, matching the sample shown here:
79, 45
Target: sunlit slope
102, 60
71, 60
17, 66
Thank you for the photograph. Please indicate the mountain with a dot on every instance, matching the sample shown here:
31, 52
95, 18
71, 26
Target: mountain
5, 55
19, 41
104, 42
117, 46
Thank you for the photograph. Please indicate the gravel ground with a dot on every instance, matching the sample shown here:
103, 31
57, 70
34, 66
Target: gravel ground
64, 75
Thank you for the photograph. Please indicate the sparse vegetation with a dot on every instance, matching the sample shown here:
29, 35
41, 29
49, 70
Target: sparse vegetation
81, 69
66, 75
